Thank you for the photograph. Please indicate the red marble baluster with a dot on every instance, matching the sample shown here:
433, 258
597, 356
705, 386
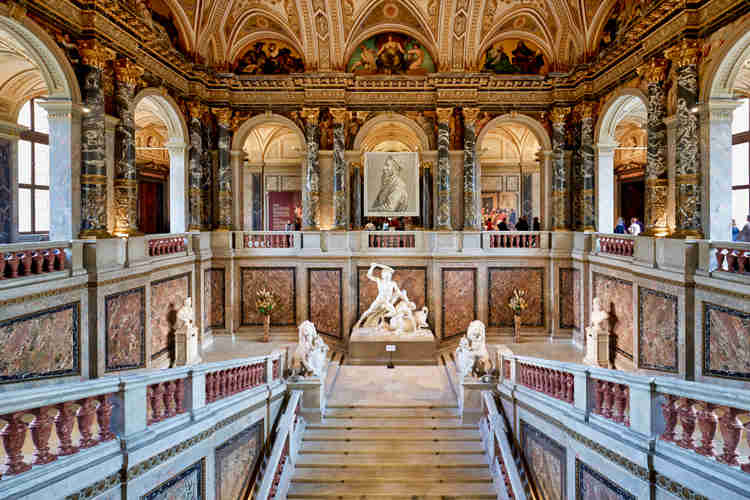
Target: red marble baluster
149, 405
103, 416
157, 402
720, 259
49, 260
621, 400
741, 259
14, 435
86, 416
60, 259
209, 387
558, 379
598, 399
731, 261
687, 419
246, 240
64, 427
2, 266
570, 388
670, 417
41, 430
24, 268
169, 406
36, 262
707, 425
179, 396
746, 467
224, 383
730, 431
12, 262
609, 398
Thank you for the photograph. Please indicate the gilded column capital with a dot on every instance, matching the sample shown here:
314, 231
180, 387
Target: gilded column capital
558, 115
127, 72
686, 53
94, 54
196, 109
223, 116
585, 110
310, 115
655, 71
340, 115
470, 115
444, 114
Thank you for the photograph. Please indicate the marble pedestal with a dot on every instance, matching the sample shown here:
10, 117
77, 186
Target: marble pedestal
598, 350
367, 347
186, 350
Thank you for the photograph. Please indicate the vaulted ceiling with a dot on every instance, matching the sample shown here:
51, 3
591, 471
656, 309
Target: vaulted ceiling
326, 32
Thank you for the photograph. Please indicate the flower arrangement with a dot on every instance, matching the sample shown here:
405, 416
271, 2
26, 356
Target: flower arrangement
265, 301
518, 301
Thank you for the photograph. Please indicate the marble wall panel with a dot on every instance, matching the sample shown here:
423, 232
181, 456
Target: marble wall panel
547, 462
502, 281
167, 297
616, 296
41, 345
658, 330
726, 338
570, 298
459, 300
235, 461
282, 281
6, 198
125, 323
190, 484
214, 282
411, 279
592, 485
325, 301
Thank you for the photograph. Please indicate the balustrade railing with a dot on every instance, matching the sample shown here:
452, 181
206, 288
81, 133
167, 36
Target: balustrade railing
617, 244
391, 239
499, 448
269, 240
554, 383
165, 400
166, 245
224, 383
515, 239
27, 259
612, 401
732, 257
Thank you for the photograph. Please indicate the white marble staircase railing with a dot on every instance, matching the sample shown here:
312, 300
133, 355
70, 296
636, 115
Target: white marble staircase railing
504, 463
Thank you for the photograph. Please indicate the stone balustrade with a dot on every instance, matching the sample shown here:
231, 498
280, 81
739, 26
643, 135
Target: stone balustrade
28, 259
557, 384
224, 383
611, 401
159, 245
269, 239
615, 244
732, 257
512, 239
165, 400
391, 239
500, 449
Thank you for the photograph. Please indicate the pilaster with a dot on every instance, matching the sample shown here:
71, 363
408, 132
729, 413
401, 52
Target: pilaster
311, 176
443, 210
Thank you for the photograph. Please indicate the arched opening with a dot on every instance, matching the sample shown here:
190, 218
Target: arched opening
621, 161
161, 147
38, 94
511, 175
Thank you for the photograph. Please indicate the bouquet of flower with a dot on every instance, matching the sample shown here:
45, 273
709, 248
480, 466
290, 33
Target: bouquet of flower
265, 301
518, 301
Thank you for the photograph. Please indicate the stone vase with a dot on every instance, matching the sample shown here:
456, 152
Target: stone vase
267, 328
517, 328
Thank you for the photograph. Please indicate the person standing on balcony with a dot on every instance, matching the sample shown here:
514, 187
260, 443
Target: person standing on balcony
735, 230
522, 224
536, 226
744, 235
620, 227
635, 228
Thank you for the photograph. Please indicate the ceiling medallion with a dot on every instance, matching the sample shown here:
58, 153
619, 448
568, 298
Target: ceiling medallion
390, 10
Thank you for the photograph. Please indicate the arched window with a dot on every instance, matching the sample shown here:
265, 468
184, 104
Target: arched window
33, 170
741, 163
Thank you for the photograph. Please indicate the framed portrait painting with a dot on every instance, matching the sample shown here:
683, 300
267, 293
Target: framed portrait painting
391, 184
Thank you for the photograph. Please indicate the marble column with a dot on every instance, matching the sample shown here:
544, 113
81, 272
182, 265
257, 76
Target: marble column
195, 173
356, 201
716, 117
311, 176
94, 57
426, 191
237, 160
126, 175
209, 158
587, 166
472, 217
179, 213
443, 198
560, 172
689, 190
657, 181
605, 185
224, 172
340, 173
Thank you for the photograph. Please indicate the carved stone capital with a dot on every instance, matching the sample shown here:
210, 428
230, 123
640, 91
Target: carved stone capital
655, 71
310, 115
196, 109
127, 72
585, 109
340, 115
223, 116
558, 115
444, 114
470, 115
94, 54
686, 53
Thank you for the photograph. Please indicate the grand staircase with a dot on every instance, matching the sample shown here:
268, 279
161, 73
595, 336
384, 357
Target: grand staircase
392, 452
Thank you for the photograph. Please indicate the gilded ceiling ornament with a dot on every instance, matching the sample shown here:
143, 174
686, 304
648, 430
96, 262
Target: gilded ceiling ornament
559, 114
94, 54
655, 71
686, 53
223, 116
127, 72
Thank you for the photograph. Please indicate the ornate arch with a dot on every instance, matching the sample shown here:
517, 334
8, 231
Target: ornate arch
371, 125
535, 126
619, 105
242, 133
353, 43
235, 45
170, 113
726, 65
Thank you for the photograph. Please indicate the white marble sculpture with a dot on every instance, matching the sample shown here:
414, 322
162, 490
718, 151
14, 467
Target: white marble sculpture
186, 342
472, 356
392, 311
311, 355
597, 337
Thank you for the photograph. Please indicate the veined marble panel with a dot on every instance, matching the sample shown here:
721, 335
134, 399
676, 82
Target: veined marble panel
592, 485
167, 297
5, 192
570, 298
658, 330
214, 282
726, 337
41, 345
325, 300
125, 320
459, 300
411, 279
616, 297
279, 280
190, 484
547, 462
502, 281
235, 461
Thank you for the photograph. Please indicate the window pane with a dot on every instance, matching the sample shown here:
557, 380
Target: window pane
41, 209
41, 164
740, 119
24, 116
24, 210
740, 206
24, 162
40, 119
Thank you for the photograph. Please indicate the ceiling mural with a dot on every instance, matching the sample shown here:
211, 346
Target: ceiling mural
391, 54
270, 57
514, 57
623, 14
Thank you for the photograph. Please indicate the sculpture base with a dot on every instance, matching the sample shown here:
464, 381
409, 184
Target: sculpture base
367, 347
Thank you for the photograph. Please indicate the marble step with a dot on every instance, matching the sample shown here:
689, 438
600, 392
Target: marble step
392, 412
390, 490
400, 475
389, 460
392, 423
390, 434
400, 446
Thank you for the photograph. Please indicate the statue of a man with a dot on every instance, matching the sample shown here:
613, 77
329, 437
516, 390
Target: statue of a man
384, 305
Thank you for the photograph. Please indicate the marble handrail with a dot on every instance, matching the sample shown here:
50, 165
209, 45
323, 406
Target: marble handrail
732, 257
158, 244
26, 259
499, 448
622, 245
516, 239
391, 239
270, 239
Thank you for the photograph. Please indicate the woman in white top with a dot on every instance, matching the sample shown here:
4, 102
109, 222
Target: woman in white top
635, 228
